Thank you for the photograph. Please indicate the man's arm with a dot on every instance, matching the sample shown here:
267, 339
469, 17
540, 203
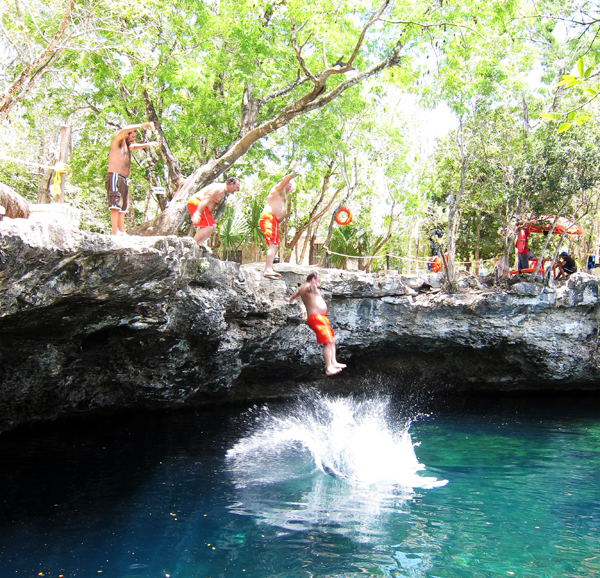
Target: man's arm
284, 182
294, 296
142, 145
208, 194
122, 134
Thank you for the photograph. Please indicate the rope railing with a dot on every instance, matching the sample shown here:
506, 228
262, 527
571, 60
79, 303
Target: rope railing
58, 167
402, 258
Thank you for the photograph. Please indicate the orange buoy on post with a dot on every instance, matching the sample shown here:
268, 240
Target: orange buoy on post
343, 216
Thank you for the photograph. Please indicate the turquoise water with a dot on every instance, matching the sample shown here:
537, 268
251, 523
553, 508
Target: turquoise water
327, 487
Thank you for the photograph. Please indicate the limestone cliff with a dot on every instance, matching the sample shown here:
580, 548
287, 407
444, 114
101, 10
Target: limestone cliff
91, 321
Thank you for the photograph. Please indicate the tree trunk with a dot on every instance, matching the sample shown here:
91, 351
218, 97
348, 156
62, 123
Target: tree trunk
312, 216
43, 194
454, 204
173, 167
351, 186
369, 262
306, 243
16, 206
477, 244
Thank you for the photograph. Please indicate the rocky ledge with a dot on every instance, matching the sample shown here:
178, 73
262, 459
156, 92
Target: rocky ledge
90, 321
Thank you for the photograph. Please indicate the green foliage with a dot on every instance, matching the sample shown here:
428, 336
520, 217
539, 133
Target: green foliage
347, 241
584, 90
196, 60
233, 230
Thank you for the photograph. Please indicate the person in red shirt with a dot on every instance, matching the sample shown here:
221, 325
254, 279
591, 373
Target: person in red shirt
522, 248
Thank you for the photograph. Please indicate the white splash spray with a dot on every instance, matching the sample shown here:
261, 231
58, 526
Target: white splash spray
369, 458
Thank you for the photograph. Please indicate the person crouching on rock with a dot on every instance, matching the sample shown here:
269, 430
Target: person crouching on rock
203, 203
316, 310
566, 266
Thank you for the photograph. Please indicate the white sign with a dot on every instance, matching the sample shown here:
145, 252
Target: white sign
159, 190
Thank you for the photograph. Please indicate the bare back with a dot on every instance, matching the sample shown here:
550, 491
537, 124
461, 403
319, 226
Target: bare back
211, 195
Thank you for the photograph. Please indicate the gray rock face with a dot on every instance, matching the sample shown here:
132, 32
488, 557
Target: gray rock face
91, 321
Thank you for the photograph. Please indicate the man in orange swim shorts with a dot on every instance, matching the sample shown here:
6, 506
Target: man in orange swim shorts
204, 202
274, 213
317, 320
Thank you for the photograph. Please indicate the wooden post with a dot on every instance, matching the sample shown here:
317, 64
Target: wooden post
417, 256
63, 157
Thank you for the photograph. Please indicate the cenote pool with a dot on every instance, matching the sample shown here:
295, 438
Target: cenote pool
324, 486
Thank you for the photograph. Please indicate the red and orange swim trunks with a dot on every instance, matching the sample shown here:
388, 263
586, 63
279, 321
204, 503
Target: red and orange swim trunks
203, 219
269, 225
321, 326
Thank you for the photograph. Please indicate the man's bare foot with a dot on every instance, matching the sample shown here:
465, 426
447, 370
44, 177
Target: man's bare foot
272, 275
341, 365
332, 370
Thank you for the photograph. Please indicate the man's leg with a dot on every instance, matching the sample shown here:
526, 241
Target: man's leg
121, 224
335, 361
271, 252
114, 220
203, 233
329, 357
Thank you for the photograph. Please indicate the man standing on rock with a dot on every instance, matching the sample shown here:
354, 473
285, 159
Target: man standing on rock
274, 213
316, 311
522, 247
119, 165
203, 203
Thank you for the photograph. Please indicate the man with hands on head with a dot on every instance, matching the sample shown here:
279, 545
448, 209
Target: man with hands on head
119, 165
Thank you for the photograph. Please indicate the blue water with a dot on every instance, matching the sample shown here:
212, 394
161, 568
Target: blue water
326, 486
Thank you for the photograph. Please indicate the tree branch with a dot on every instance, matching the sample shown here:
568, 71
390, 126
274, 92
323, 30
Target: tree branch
33, 70
427, 26
283, 91
298, 53
172, 163
374, 17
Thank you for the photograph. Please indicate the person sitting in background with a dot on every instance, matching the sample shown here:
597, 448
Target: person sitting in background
566, 266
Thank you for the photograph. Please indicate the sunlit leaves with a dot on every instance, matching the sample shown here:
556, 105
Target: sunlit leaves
578, 86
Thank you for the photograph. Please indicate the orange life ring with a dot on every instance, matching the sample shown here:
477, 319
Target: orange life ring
343, 216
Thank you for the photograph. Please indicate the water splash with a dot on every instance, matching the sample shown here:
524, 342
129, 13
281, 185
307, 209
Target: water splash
335, 460
354, 440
